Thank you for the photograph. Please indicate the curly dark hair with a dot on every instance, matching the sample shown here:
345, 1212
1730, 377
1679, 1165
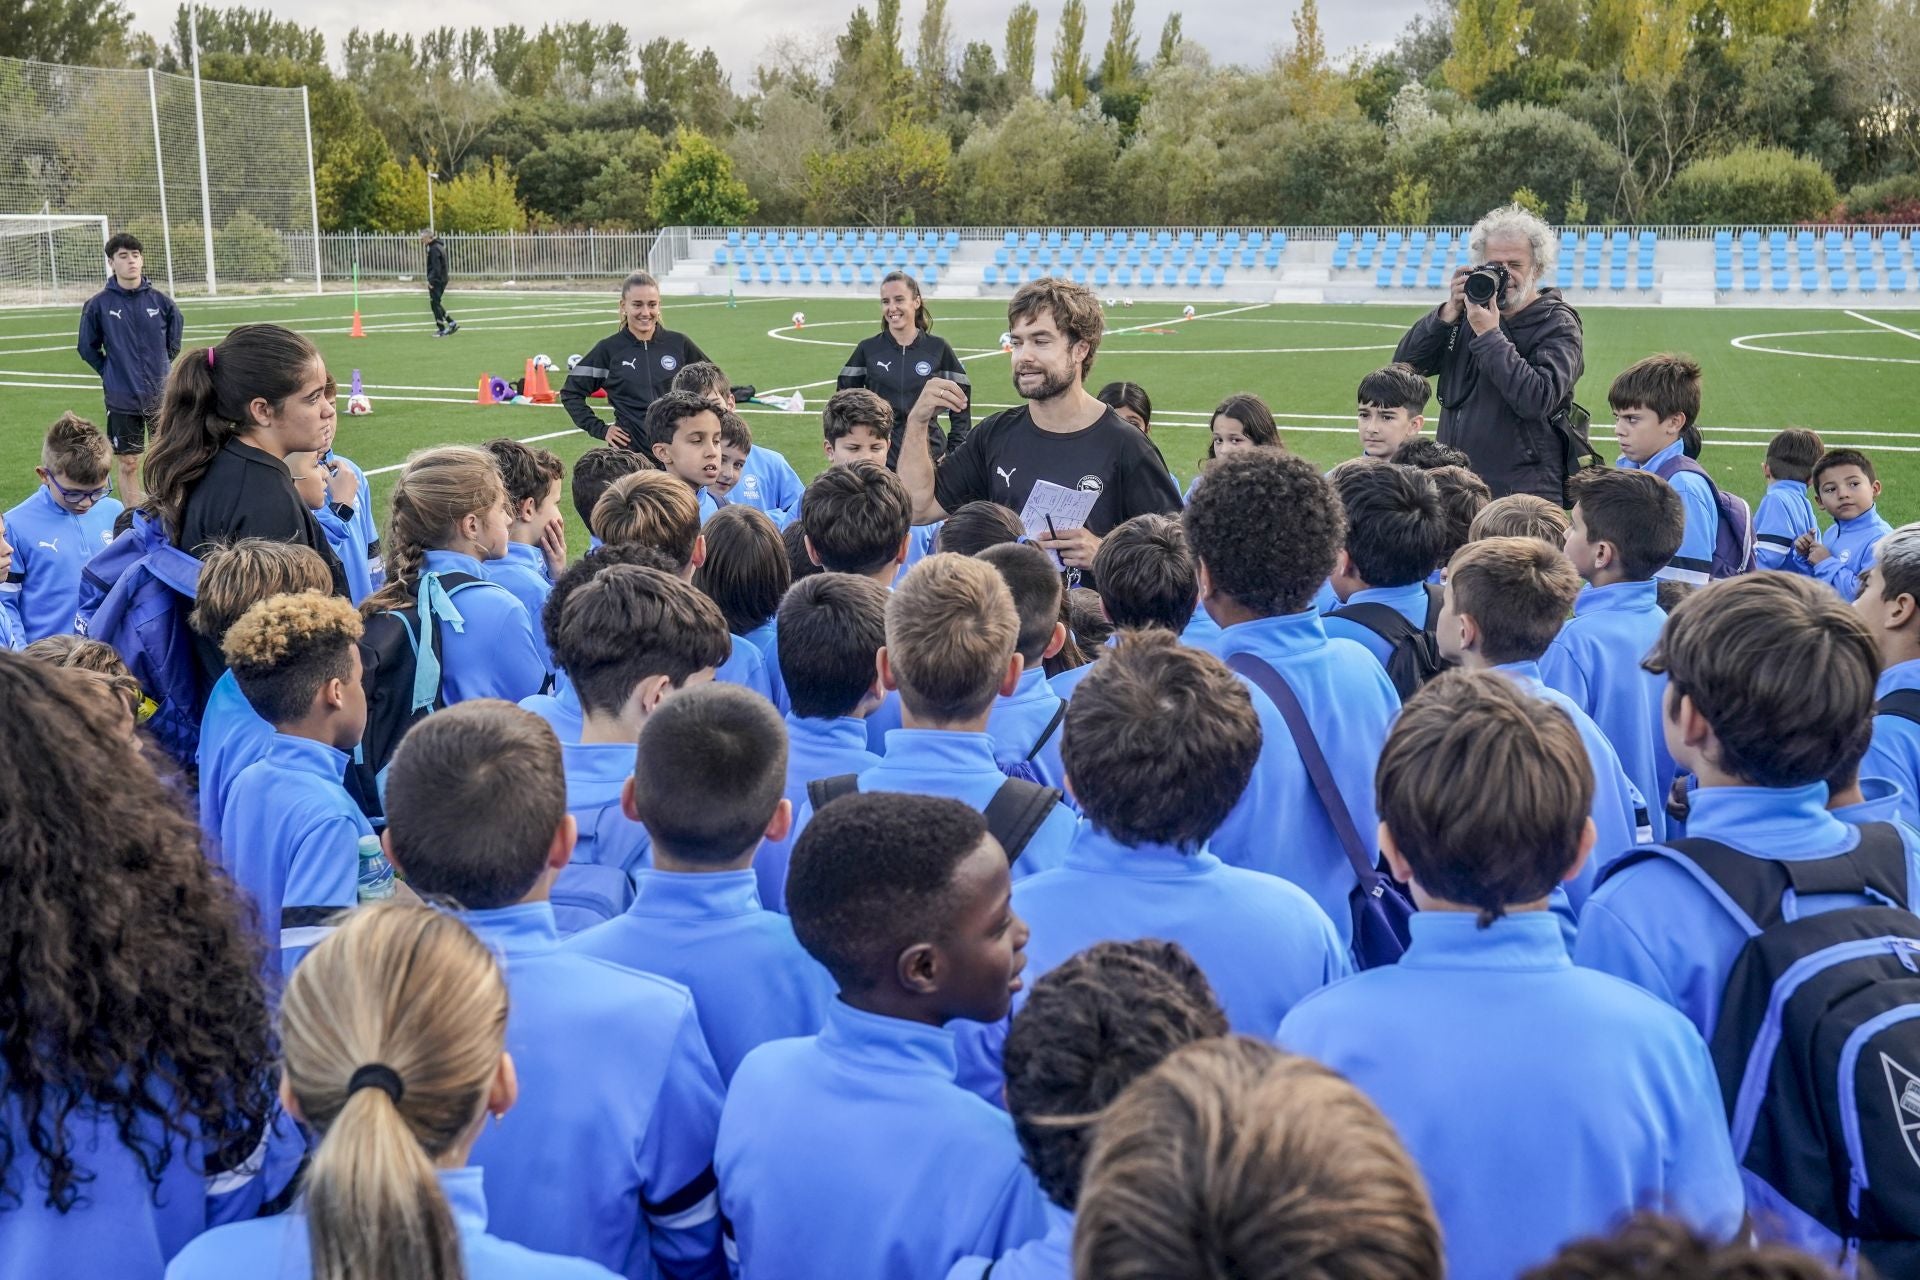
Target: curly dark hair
1650, 1247
1090, 1027
100, 1011
1267, 526
1429, 455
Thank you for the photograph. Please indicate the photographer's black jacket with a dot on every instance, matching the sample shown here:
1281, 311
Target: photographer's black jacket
634, 375
1498, 389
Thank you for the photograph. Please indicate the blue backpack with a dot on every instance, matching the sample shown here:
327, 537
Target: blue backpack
1732, 532
136, 595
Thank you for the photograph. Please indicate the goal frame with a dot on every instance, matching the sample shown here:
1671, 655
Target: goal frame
50, 222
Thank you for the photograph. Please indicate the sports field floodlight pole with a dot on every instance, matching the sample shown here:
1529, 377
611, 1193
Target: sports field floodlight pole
160, 178
200, 130
313, 191
431, 175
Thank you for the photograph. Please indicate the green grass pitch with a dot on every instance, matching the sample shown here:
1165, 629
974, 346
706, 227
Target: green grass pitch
1853, 376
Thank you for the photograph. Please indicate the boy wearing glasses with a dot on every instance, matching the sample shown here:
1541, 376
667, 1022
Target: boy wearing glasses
56, 531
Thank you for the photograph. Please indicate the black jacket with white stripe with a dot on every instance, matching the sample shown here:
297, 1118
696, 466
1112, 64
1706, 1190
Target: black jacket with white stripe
897, 374
633, 373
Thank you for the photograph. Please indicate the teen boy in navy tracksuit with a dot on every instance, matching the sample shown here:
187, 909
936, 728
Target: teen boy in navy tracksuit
129, 335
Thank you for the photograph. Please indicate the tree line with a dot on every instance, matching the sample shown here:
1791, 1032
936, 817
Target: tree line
1590, 111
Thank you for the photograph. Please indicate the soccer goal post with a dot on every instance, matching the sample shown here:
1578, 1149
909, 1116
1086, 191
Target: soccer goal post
49, 259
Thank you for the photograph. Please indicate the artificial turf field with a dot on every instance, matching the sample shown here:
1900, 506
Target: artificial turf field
1852, 376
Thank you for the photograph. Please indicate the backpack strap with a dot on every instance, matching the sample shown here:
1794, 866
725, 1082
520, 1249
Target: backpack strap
1436, 600
1275, 686
823, 791
1901, 703
1383, 620
1053, 727
1666, 471
1017, 811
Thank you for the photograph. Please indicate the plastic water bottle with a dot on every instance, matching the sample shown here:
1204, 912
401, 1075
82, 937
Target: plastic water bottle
376, 873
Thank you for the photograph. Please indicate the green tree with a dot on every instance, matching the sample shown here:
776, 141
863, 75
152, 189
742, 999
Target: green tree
1749, 184
401, 202
63, 30
1120, 61
1473, 161
1023, 24
696, 186
1170, 40
485, 198
1409, 204
686, 88
1305, 171
618, 195
1313, 86
769, 152
998, 174
981, 88
933, 59
898, 179
1488, 36
1070, 54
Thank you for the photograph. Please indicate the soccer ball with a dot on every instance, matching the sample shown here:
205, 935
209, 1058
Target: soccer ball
572, 361
1186, 313
1006, 342
543, 362
1126, 302
1113, 302
358, 405
799, 319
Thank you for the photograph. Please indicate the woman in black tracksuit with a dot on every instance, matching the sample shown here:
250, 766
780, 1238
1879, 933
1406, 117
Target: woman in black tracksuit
634, 365
896, 363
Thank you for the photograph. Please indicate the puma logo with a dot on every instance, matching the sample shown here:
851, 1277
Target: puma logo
1006, 477
884, 364
629, 364
115, 313
52, 546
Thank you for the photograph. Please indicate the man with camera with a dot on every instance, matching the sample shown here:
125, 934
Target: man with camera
1507, 354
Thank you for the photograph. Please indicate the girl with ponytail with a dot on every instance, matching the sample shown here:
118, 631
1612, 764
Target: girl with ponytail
449, 518
897, 362
393, 1035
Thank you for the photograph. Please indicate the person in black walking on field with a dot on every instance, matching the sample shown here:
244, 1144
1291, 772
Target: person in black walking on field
634, 365
444, 325
897, 362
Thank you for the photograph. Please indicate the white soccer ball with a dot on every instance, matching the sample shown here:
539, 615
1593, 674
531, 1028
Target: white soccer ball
358, 405
572, 360
1006, 342
1113, 302
799, 318
543, 362
1126, 302
1186, 313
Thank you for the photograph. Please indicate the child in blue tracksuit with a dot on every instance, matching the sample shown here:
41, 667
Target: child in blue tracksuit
951, 632
1396, 530
234, 578
1025, 724
1499, 1020
835, 624
1626, 524
683, 439
537, 535
1147, 580
55, 531
331, 491
1847, 487
609, 1154
743, 568
450, 516
1889, 603
1785, 515
1089, 1028
627, 638
1265, 529
853, 1152
143, 1118
1761, 738
1654, 402
13, 635
404, 1004
696, 915
1504, 601
750, 475
290, 833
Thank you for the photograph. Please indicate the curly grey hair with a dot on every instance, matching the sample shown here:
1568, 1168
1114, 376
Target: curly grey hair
1516, 220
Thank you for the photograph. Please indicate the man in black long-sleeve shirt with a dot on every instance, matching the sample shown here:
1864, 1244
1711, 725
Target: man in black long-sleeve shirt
634, 365
443, 324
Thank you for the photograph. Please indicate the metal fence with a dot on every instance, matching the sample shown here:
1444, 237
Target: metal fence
546, 257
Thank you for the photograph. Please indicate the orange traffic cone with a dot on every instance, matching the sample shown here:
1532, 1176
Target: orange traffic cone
536, 384
356, 331
485, 395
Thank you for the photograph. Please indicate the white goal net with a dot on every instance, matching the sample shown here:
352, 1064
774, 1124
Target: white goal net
49, 259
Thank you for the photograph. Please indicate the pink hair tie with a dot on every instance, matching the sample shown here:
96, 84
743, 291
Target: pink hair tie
209, 357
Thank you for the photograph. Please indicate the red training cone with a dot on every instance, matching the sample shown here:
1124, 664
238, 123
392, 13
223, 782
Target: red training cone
485, 393
356, 331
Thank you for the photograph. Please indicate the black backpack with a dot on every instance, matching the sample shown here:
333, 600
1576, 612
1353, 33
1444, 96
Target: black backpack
1415, 657
1014, 815
1818, 1045
400, 670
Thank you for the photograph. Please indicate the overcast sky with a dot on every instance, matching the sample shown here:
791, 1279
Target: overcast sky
741, 31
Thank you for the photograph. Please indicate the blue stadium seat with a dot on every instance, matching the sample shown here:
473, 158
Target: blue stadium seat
1436, 275
1563, 274
810, 239
1022, 256
890, 240
1002, 256
1110, 255
1383, 278
1596, 240
1076, 239
1192, 277
1134, 256
831, 239
751, 239
1868, 281
1009, 239
1186, 240
1101, 277
1724, 239
1271, 258
943, 257
1053, 240
1217, 277
1342, 250
1409, 276
805, 273
1776, 240
790, 240
1170, 276
1097, 239
1256, 237
1896, 279
931, 278
1644, 279
1163, 238
839, 256
1569, 243
1723, 280
766, 275
1208, 239
1124, 276
786, 274
1780, 282
991, 274
921, 257
1749, 281
1156, 256
1249, 257
867, 277
870, 240
819, 256
745, 274
720, 258
1119, 240
1617, 276
733, 239
1809, 281
1369, 245
1837, 281
1590, 275
1078, 275
950, 241
846, 274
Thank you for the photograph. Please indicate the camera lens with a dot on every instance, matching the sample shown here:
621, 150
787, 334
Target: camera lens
1481, 286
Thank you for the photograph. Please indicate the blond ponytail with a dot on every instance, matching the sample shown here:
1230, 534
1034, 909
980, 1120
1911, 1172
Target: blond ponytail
392, 1030
436, 490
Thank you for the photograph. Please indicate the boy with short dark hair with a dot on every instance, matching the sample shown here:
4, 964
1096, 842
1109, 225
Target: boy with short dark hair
593, 474
1760, 737
129, 335
976, 526
1393, 409
696, 915
683, 438
1429, 455
1501, 1023
1655, 401
1463, 496
859, 520
561, 708
628, 639
1396, 528
56, 530
1889, 603
1160, 742
537, 534
833, 625
1265, 530
858, 426
290, 833
1785, 515
1147, 580
612, 1065
1088, 1029
1505, 598
854, 1152
1625, 525
1848, 489
752, 474
1025, 724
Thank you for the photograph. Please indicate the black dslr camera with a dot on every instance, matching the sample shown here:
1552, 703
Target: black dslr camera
1487, 284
